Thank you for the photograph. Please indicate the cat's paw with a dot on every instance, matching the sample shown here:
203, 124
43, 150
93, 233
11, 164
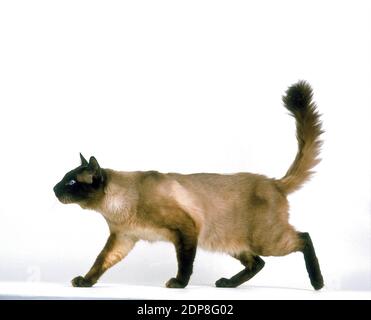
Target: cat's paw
317, 285
81, 282
225, 283
175, 283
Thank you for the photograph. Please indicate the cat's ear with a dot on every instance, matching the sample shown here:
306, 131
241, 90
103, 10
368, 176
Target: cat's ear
94, 166
91, 172
84, 162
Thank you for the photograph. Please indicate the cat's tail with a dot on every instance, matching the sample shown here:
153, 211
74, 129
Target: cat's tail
298, 100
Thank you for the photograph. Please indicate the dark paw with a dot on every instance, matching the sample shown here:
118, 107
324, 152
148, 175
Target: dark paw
317, 285
81, 282
175, 283
225, 283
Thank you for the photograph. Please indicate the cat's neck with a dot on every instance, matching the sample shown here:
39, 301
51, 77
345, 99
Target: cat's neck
119, 197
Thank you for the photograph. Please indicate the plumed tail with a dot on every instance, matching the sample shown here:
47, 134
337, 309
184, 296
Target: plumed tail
298, 100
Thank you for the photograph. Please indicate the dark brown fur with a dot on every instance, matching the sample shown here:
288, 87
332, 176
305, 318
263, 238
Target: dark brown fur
244, 215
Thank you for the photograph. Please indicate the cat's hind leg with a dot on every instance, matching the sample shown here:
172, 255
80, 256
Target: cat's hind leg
253, 264
311, 261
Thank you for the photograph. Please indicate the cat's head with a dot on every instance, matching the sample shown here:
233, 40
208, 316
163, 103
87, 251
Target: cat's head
82, 184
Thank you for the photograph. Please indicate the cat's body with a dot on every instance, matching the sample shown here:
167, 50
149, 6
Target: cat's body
147, 204
243, 214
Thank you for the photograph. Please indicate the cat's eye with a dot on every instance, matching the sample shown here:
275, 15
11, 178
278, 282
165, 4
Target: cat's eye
71, 182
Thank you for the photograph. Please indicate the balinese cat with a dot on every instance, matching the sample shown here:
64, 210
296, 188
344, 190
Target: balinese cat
242, 214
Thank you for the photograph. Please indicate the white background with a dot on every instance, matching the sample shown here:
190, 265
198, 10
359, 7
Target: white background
185, 86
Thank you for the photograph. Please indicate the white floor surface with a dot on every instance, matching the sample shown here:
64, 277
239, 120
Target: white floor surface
33, 290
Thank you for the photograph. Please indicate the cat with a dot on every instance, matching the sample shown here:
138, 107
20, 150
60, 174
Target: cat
244, 215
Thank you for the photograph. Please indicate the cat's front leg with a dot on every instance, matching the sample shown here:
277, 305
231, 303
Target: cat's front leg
116, 248
185, 246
